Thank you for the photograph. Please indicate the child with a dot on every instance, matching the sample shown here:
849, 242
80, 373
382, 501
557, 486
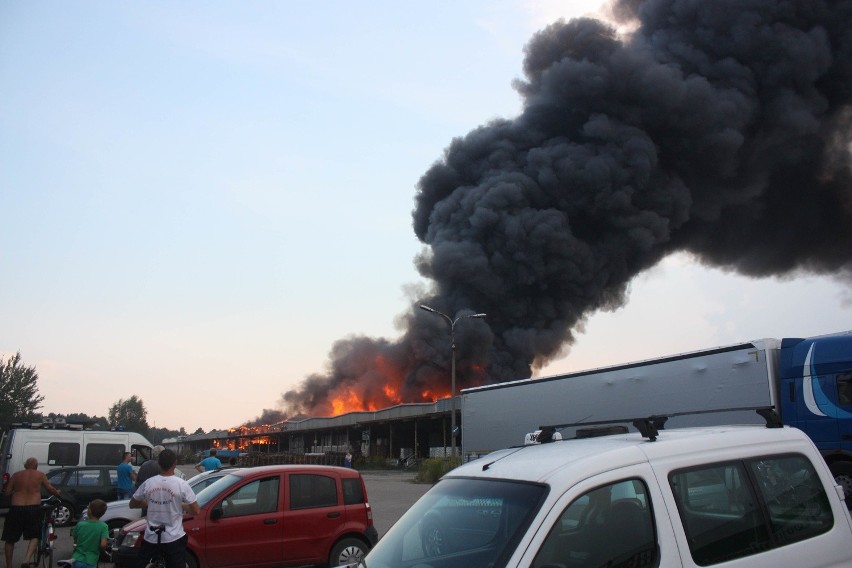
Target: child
90, 537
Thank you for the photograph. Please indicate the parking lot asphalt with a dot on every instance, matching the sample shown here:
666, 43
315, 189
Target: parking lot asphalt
390, 493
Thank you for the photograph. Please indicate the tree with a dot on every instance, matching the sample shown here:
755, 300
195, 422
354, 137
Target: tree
19, 398
129, 414
93, 422
88, 422
157, 435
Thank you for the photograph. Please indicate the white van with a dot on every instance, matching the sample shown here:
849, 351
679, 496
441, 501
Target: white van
56, 444
738, 496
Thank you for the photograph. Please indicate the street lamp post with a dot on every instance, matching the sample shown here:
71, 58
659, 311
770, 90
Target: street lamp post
452, 323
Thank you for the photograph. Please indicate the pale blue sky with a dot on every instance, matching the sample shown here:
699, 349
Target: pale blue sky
199, 198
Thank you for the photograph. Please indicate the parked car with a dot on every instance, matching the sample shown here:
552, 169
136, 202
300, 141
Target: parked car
745, 496
281, 515
78, 486
119, 513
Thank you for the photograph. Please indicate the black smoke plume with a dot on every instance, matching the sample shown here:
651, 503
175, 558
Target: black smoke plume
720, 128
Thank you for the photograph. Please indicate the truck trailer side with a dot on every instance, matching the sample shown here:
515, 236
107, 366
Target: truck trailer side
737, 376
807, 381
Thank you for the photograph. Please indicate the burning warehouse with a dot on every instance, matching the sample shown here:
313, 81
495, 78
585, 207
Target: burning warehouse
415, 430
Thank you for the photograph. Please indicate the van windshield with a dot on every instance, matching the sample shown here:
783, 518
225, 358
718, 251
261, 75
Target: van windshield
140, 453
461, 523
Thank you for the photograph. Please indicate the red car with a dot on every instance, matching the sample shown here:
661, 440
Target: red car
277, 515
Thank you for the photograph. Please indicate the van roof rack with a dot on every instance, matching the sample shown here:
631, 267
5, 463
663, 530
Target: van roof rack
46, 425
650, 426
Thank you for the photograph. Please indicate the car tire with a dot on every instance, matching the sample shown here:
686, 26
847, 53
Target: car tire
191, 561
348, 551
63, 515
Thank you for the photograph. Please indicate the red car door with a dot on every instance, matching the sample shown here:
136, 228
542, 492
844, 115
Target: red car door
245, 526
313, 519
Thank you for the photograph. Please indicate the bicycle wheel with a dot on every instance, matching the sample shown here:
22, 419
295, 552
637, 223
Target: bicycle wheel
47, 559
46, 548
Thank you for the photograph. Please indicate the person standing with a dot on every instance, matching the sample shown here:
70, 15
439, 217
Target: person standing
126, 477
209, 463
149, 468
90, 536
166, 498
24, 517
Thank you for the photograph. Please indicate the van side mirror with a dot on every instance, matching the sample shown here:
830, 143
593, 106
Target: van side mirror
216, 514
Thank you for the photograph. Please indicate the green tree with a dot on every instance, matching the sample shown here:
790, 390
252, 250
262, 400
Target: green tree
19, 398
157, 435
130, 414
88, 422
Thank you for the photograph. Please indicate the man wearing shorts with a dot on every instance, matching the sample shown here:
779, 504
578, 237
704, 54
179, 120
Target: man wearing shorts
24, 517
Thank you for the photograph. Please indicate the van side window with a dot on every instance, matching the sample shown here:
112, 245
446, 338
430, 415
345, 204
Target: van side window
612, 525
63, 453
797, 503
723, 506
104, 454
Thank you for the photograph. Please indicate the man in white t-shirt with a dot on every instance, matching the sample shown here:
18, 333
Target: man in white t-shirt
166, 497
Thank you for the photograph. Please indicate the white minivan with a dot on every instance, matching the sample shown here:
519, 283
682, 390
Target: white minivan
57, 445
733, 496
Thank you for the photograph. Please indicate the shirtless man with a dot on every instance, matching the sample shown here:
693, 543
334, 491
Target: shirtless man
24, 515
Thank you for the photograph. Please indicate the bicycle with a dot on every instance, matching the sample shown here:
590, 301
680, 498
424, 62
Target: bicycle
46, 536
158, 560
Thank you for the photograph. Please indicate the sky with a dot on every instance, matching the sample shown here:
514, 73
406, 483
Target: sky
200, 198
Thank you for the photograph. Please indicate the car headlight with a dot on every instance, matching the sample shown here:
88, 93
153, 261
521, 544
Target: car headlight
131, 539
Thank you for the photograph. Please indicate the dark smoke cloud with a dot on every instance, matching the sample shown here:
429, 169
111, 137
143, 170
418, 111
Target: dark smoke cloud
720, 128
268, 416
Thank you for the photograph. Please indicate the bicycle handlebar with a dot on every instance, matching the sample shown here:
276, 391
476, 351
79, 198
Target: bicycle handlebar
51, 502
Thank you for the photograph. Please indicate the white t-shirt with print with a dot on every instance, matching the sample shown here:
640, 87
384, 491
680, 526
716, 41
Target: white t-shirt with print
165, 494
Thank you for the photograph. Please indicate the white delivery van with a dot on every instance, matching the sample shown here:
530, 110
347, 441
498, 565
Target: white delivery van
57, 444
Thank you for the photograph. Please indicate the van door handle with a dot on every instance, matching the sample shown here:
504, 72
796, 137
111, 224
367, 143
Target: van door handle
333, 515
270, 521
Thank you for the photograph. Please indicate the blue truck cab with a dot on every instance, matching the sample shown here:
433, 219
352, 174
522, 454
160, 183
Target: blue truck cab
815, 395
